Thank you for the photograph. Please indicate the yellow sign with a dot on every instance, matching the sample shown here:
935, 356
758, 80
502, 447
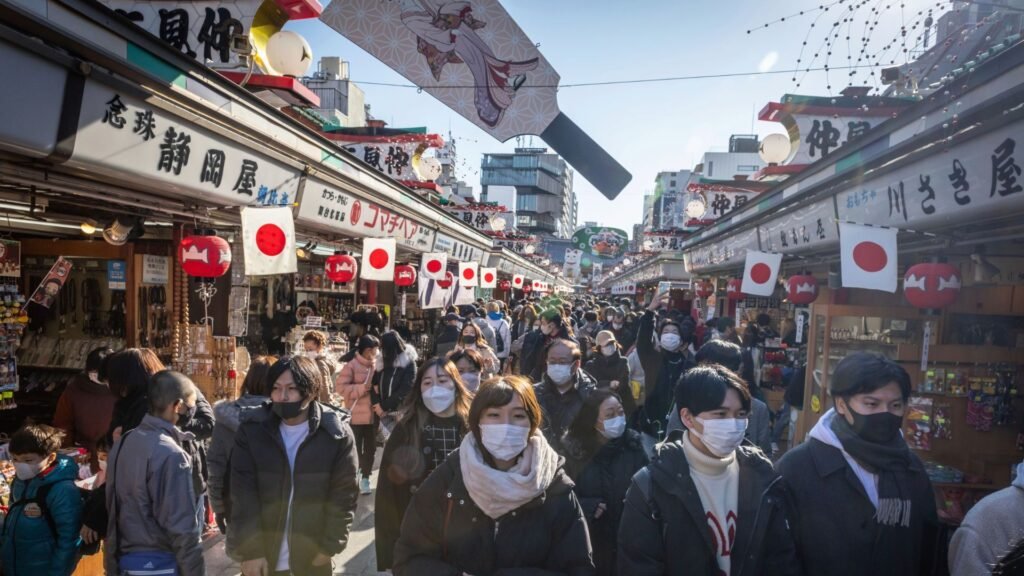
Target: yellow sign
816, 404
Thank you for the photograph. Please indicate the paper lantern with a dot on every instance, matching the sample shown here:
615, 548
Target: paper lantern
288, 54
448, 279
204, 255
931, 285
504, 285
527, 287
703, 288
802, 289
341, 268
734, 289
405, 275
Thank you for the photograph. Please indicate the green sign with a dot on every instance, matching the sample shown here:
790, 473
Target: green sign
600, 241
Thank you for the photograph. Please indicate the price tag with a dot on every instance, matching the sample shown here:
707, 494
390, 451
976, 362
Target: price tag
314, 321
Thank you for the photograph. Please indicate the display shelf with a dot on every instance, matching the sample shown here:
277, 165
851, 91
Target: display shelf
956, 353
988, 487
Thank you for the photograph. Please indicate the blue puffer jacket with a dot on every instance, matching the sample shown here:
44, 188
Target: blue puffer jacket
28, 545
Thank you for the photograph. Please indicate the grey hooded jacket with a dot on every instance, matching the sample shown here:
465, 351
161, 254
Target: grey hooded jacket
218, 458
989, 530
150, 497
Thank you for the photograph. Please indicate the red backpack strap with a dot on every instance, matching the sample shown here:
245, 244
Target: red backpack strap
444, 529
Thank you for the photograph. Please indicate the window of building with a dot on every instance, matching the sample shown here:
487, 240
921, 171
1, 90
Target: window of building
711, 168
672, 184
746, 168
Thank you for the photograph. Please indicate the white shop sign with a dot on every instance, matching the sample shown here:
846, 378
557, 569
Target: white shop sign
965, 183
820, 136
460, 251
123, 135
154, 269
800, 229
729, 251
328, 207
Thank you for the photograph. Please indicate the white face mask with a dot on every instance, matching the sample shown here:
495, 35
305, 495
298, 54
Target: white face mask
722, 437
559, 373
25, 471
670, 341
614, 427
608, 350
504, 441
95, 378
437, 398
547, 329
471, 380
103, 465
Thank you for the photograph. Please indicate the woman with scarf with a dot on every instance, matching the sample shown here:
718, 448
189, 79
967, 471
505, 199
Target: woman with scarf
862, 502
501, 503
431, 424
663, 364
603, 456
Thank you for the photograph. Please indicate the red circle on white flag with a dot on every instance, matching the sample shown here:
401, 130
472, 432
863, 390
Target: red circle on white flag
870, 256
433, 266
270, 239
760, 273
379, 258
519, 281
468, 274
488, 277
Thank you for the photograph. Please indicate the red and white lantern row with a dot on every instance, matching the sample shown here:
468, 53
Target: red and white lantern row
204, 255
341, 268
734, 289
931, 285
703, 288
505, 285
802, 289
405, 275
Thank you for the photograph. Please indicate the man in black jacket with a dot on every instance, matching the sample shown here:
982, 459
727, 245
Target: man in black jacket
293, 478
448, 334
562, 390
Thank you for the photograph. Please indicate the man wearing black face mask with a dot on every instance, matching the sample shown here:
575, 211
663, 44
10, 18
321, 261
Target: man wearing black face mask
293, 478
862, 502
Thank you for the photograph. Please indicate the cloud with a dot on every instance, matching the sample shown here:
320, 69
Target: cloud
768, 62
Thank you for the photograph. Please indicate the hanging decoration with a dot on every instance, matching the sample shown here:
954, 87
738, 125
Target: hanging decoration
734, 289
802, 289
379, 259
488, 277
405, 275
341, 267
527, 287
447, 282
433, 265
468, 272
931, 285
204, 254
268, 236
703, 288
505, 285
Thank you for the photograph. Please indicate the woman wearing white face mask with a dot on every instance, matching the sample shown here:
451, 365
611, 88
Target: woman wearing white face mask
706, 504
499, 504
472, 339
603, 456
431, 425
470, 365
611, 369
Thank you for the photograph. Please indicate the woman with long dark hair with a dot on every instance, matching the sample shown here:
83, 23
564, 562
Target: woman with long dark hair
603, 455
473, 339
501, 503
432, 422
395, 374
128, 372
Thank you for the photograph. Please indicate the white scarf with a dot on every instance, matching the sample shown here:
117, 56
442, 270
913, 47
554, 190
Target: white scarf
497, 493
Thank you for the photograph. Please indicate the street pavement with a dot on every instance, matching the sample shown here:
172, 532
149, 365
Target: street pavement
358, 559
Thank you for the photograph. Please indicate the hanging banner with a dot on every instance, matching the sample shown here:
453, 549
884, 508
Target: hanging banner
601, 241
429, 295
10, 258
46, 293
268, 237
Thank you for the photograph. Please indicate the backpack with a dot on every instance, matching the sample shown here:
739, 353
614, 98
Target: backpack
498, 340
42, 493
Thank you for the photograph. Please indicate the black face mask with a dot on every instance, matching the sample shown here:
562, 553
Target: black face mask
468, 340
288, 410
878, 428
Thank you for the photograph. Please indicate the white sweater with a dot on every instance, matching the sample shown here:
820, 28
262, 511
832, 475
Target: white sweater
718, 483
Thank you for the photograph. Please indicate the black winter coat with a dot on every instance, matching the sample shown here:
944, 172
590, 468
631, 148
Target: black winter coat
605, 370
559, 409
604, 479
833, 519
661, 373
445, 534
201, 426
667, 532
324, 500
390, 385
533, 348
128, 413
403, 467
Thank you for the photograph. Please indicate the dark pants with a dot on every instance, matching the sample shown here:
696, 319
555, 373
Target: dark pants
366, 446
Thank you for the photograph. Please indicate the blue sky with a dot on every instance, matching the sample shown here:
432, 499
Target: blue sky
646, 127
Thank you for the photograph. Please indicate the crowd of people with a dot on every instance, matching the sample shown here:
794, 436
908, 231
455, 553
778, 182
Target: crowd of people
539, 437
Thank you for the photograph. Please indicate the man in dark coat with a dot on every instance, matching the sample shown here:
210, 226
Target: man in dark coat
448, 334
663, 365
562, 390
293, 478
610, 369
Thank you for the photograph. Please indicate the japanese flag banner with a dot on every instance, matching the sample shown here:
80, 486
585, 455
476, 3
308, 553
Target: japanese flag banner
463, 293
378, 259
868, 257
433, 265
268, 241
760, 273
488, 277
468, 273
517, 281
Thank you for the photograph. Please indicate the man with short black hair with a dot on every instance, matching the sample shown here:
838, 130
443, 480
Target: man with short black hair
562, 389
153, 518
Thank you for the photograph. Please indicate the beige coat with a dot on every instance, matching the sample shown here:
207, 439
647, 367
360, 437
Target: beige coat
353, 385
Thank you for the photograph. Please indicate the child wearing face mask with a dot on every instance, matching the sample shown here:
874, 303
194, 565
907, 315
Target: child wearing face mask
40, 533
706, 504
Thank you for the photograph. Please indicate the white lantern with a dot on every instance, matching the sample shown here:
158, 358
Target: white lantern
530, 249
774, 148
288, 54
429, 168
696, 206
648, 245
498, 223
626, 261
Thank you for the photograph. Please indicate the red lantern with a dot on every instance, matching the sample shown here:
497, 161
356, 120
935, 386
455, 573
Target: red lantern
405, 275
734, 289
504, 285
204, 255
703, 288
341, 268
527, 287
448, 279
802, 289
931, 285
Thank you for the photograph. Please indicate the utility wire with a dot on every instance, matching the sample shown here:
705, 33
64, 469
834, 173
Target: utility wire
618, 82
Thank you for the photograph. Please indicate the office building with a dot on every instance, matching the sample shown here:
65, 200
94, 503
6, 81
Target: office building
545, 203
